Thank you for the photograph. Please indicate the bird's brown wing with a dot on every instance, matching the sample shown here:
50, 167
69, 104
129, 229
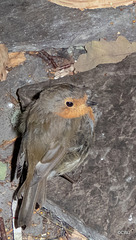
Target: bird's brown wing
34, 191
50, 160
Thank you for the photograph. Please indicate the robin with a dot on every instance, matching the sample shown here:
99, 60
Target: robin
56, 135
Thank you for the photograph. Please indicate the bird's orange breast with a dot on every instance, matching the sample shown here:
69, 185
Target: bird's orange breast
78, 109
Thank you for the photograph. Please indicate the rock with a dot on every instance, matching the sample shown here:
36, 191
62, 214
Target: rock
103, 195
33, 25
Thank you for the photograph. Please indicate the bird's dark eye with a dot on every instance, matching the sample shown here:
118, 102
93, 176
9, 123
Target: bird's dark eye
69, 104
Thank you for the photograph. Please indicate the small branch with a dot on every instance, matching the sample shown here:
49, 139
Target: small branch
45, 56
7, 142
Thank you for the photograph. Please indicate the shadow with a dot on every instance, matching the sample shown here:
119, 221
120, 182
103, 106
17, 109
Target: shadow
14, 157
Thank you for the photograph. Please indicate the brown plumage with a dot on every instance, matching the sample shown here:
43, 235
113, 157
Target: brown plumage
56, 135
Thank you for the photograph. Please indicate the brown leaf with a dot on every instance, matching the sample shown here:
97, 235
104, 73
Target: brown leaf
3, 62
62, 238
30, 237
15, 59
101, 52
75, 236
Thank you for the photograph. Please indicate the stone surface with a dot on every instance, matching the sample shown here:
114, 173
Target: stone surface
33, 25
103, 194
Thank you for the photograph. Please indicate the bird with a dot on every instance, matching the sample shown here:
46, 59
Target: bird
56, 130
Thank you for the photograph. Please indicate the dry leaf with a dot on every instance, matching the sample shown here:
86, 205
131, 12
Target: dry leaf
101, 52
64, 72
75, 236
30, 237
15, 59
92, 4
63, 238
3, 62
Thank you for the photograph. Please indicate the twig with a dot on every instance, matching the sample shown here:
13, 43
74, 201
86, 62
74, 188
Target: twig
45, 56
8, 142
10, 231
12, 99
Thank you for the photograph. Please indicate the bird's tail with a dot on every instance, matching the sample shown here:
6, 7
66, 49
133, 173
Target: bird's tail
26, 204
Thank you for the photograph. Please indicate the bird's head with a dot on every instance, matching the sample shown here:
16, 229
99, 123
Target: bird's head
68, 101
